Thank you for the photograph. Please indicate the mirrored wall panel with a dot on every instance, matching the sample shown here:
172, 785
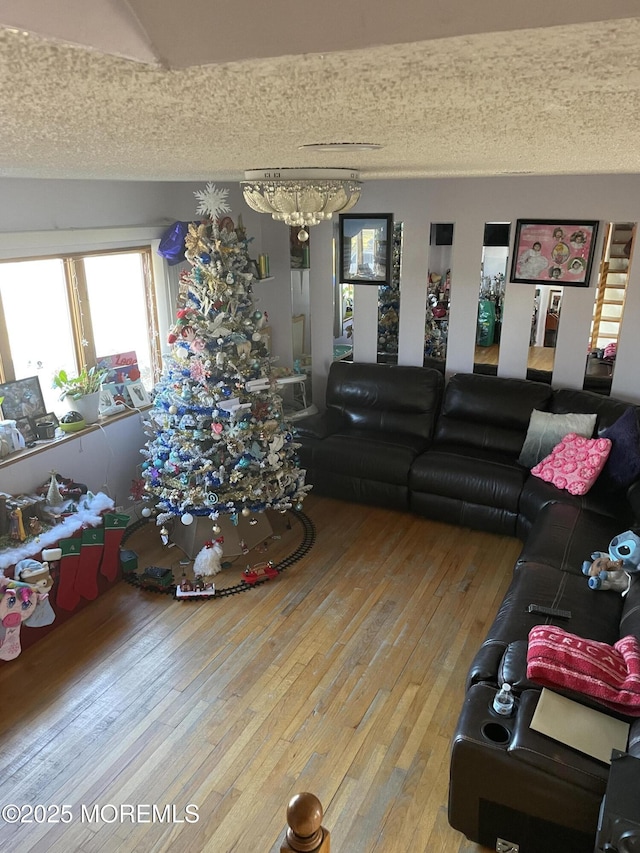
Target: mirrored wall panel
436, 326
389, 304
608, 308
493, 275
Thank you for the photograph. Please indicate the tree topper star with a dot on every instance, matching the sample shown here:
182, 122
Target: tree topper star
212, 201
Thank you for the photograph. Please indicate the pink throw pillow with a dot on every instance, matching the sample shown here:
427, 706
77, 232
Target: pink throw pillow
574, 463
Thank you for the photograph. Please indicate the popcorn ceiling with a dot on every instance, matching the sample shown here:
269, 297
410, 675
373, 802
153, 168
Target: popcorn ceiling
557, 100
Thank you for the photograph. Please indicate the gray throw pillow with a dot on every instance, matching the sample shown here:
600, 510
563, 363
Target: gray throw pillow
546, 430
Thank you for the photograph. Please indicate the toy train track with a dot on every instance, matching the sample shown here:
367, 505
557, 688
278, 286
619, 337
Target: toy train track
308, 539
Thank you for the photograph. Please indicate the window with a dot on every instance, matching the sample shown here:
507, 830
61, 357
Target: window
67, 311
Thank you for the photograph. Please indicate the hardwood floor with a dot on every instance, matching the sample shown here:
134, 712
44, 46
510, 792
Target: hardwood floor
344, 677
540, 358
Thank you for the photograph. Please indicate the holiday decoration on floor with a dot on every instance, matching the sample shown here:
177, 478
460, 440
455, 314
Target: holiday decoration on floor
219, 443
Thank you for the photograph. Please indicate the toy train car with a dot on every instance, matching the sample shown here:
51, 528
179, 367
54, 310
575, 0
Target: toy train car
157, 577
259, 572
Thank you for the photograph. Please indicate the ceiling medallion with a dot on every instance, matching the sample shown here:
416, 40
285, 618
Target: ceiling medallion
301, 197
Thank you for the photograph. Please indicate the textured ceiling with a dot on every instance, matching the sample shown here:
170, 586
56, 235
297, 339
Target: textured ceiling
153, 90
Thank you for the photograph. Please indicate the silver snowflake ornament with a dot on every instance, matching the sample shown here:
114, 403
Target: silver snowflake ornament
212, 201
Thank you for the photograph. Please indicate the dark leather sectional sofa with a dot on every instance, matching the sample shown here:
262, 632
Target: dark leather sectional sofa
402, 438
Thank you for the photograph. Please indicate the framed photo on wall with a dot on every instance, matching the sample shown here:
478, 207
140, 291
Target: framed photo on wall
547, 251
555, 301
365, 248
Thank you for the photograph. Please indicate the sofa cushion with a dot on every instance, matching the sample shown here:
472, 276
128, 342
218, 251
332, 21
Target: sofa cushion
536, 493
485, 477
607, 409
369, 454
595, 615
385, 398
489, 412
565, 535
546, 429
574, 463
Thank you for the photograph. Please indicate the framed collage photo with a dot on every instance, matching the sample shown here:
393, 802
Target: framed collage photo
548, 251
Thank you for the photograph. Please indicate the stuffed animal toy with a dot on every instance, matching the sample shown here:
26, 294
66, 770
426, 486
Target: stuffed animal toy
208, 561
614, 570
37, 575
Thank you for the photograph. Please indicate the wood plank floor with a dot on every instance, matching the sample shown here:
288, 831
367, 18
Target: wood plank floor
344, 677
540, 358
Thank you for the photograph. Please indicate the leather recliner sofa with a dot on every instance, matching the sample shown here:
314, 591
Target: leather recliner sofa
396, 436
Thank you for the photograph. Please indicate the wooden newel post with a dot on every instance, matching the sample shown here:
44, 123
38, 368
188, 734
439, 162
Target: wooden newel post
305, 834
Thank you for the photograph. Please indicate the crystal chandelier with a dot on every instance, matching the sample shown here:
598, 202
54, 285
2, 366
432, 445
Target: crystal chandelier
301, 197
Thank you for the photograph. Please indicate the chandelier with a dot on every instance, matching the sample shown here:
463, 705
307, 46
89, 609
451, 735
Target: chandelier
301, 197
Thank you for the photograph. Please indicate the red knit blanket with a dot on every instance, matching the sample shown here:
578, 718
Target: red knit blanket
610, 674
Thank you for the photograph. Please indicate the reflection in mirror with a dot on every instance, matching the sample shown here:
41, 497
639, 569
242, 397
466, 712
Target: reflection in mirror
343, 322
493, 271
436, 326
545, 321
297, 396
389, 304
609, 302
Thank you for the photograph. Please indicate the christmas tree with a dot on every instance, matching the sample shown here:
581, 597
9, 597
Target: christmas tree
219, 440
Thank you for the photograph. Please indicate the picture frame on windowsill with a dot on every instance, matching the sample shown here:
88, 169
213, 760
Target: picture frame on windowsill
139, 394
22, 398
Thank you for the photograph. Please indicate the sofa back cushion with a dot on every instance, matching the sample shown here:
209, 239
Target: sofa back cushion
384, 397
607, 409
489, 412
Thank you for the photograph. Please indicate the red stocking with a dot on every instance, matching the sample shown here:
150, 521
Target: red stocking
90, 556
67, 596
114, 526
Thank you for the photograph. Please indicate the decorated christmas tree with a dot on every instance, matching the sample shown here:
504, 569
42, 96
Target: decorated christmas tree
219, 442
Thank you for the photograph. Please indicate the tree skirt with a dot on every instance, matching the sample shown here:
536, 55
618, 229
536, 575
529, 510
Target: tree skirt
292, 537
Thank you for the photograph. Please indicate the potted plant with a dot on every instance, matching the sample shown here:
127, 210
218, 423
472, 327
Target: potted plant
82, 392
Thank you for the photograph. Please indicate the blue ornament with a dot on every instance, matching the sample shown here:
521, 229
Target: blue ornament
205, 258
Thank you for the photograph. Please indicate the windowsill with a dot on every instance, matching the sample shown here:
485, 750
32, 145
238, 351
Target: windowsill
47, 444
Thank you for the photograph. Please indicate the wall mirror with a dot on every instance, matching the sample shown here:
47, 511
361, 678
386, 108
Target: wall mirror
365, 248
545, 322
297, 396
493, 272
436, 327
389, 304
608, 307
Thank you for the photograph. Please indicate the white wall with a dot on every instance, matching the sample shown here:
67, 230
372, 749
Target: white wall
104, 459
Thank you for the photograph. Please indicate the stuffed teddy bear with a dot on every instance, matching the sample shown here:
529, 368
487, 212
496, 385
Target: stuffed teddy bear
614, 570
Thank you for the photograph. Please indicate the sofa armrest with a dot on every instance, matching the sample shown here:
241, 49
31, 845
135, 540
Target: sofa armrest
320, 425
